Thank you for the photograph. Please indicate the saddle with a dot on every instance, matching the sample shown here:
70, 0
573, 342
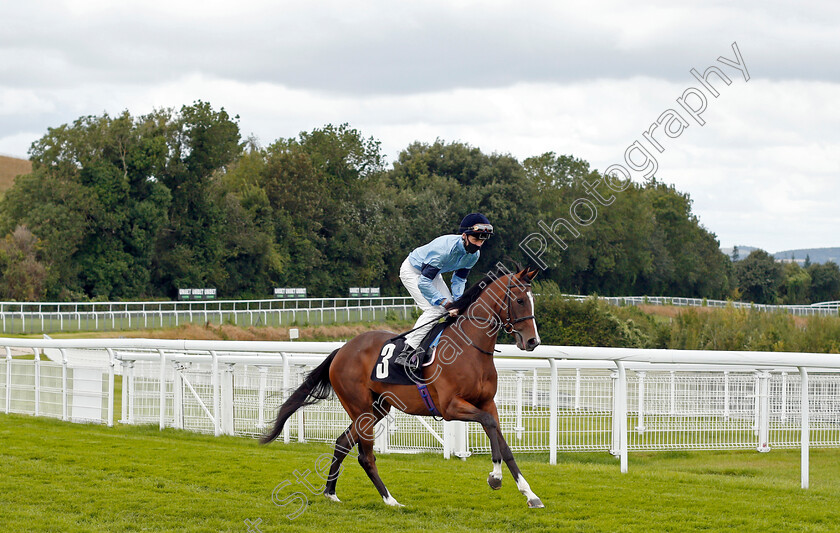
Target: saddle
387, 372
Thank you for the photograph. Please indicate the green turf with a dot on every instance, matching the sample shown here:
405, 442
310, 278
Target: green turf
57, 476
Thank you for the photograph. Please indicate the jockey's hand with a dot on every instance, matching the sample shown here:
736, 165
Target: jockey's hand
453, 312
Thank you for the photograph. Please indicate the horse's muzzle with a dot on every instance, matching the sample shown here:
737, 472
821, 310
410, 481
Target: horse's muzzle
531, 344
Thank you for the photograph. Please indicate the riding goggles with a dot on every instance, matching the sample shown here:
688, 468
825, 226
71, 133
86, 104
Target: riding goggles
482, 231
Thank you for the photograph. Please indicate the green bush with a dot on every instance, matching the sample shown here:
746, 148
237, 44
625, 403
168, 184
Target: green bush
748, 329
569, 322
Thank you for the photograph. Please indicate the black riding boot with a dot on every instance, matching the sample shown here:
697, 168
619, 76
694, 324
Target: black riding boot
409, 357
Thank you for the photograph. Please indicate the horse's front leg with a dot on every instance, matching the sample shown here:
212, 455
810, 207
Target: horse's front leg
506, 455
494, 479
459, 409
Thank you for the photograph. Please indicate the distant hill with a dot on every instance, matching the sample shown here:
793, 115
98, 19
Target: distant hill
11, 167
743, 251
817, 255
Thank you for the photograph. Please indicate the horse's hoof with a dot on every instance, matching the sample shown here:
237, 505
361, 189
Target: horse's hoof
536, 503
332, 497
392, 502
495, 483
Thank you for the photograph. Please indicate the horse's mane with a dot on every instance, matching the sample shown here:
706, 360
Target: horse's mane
473, 292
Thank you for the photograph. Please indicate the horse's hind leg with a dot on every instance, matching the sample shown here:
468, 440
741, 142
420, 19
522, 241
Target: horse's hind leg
361, 432
345, 442
368, 462
343, 445
365, 425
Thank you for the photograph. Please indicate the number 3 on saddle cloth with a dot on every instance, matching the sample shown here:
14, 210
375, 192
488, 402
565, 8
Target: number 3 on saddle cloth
388, 372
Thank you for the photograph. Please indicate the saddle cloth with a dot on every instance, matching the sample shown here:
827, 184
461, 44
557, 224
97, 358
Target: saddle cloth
387, 372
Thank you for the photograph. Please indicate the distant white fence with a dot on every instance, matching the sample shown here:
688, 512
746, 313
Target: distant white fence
550, 400
50, 317
818, 309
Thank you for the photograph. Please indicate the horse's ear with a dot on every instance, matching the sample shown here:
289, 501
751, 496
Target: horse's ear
530, 273
527, 274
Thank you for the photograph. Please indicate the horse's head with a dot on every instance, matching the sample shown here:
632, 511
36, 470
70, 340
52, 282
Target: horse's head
516, 309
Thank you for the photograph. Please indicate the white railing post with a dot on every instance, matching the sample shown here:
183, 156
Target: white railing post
284, 392
763, 405
8, 378
615, 427
63, 353
227, 412
726, 396
806, 427
217, 426
263, 370
640, 425
756, 406
111, 363
132, 392
126, 384
622, 415
552, 413
783, 414
534, 386
460, 441
37, 352
177, 396
673, 389
162, 381
519, 428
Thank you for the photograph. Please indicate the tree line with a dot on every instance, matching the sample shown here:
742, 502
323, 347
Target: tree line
762, 280
124, 207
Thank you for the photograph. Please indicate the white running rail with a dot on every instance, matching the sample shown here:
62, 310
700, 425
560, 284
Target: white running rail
49, 317
817, 309
557, 398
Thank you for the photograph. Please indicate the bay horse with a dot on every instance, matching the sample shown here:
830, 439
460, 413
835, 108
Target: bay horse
461, 381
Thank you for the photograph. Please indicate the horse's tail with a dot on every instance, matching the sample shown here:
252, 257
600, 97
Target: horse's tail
315, 388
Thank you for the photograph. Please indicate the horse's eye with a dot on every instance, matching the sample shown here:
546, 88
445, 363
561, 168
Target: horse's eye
520, 301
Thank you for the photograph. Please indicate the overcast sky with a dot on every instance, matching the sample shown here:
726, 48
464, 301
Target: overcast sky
525, 77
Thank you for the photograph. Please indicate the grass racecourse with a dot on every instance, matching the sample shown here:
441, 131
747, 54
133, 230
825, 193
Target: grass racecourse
58, 476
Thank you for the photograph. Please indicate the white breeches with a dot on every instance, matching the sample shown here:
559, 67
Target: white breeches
410, 277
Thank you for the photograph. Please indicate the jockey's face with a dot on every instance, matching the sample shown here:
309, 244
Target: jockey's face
472, 239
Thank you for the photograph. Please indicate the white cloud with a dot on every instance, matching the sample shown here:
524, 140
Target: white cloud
386, 47
575, 78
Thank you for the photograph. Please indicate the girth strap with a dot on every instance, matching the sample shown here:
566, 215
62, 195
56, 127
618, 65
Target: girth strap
427, 399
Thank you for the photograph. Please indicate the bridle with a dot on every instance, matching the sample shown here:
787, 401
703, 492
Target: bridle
507, 325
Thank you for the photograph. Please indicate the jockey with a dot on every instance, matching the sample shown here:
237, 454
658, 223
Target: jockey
422, 269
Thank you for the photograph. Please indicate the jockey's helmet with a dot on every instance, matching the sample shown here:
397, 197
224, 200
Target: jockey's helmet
478, 225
